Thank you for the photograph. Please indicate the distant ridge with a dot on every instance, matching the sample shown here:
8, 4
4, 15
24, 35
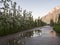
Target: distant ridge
52, 15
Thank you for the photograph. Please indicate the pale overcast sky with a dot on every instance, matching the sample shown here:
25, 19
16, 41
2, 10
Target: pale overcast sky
38, 7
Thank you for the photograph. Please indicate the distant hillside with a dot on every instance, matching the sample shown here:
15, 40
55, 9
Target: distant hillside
54, 14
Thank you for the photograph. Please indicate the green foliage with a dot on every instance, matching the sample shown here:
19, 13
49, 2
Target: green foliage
15, 22
39, 23
51, 23
59, 19
9, 24
57, 28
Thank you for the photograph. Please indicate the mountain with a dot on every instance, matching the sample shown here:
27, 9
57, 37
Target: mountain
54, 14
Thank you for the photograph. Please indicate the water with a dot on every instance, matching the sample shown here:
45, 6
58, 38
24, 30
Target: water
37, 36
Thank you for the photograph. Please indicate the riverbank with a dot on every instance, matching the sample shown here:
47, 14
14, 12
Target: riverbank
57, 28
45, 37
16, 35
2, 35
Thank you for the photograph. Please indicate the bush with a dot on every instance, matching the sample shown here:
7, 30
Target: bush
51, 23
57, 28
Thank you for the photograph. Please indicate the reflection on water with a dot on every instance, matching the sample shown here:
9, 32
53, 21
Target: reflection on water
52, 34
19, 40
30, 34
43, 36
15, 42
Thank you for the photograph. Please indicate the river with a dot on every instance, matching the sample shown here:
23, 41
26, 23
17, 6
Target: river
38, 36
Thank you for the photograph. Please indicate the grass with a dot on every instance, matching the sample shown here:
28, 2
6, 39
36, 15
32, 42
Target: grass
57, 28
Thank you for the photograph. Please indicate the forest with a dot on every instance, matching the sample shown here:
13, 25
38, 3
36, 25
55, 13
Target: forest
14, 19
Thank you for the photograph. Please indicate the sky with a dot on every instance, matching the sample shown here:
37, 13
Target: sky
39, 8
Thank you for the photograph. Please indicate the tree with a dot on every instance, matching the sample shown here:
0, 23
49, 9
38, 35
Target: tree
59, 19
15, 21
24, 14
14, 9
6, 5
51, 22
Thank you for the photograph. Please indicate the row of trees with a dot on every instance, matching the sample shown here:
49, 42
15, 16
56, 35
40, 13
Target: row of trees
52, 23
56, 26
14, 20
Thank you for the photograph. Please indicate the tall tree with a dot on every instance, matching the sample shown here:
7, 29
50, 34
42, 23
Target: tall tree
6, 5
14, 8
59, 19
51, 22
24, 13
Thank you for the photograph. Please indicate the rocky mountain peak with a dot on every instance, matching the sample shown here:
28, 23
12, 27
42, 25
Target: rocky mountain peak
55, 9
